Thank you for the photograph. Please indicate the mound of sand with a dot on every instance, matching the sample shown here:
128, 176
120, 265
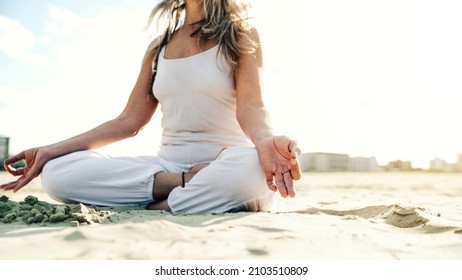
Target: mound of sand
34, 211
396, 215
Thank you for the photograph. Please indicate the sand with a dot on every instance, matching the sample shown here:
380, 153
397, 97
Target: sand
352, 216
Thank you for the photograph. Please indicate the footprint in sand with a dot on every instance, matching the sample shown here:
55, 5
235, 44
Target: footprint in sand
74, 236
258, 252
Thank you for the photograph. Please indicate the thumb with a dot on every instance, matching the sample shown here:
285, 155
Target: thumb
294, 164
294, 149
295, 169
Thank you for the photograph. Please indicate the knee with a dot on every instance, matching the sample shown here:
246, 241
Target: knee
246, 179
55, 181
50, 179
253, 192
243, 167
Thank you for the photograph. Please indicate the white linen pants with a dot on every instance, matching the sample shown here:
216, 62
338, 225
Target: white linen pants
234, 181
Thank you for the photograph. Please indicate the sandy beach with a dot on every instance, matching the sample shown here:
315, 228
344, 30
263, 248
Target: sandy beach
353, 216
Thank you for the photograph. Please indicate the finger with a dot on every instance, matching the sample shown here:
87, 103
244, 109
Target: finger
21, 182
270, 181
17, 172
281, 184
10, 169
289, 182
8, 186
294, 149
7, 163
15, 158
295, 169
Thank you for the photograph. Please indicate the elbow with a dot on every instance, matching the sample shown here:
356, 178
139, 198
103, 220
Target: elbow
133, 133
135, 129
129, 127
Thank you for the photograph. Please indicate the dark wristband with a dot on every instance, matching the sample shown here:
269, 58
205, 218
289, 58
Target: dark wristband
182, 179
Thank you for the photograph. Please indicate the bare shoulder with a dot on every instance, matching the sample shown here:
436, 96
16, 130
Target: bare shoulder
251, 37
251, 50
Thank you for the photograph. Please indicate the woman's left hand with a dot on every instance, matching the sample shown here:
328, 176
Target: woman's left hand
278, 157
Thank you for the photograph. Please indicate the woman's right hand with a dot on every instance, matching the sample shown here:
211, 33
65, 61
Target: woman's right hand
35, 160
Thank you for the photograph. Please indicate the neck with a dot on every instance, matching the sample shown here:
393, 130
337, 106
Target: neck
194, 11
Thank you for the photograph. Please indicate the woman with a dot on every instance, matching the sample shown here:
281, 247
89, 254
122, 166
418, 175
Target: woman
218, 151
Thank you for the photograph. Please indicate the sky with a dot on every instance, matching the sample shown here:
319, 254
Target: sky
360, 77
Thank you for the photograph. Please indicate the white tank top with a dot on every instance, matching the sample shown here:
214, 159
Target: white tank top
198, 102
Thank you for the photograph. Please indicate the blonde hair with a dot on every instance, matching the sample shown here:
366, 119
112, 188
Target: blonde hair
225, 21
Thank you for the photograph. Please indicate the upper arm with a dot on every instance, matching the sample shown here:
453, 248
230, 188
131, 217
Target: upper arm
248, 74
141, 104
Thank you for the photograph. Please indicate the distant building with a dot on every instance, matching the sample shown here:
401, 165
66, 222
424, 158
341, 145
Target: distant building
323, 162
440, 165
4, 149
303, 161
437, 164
459, 163
399, 165
330, 162
363, 164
